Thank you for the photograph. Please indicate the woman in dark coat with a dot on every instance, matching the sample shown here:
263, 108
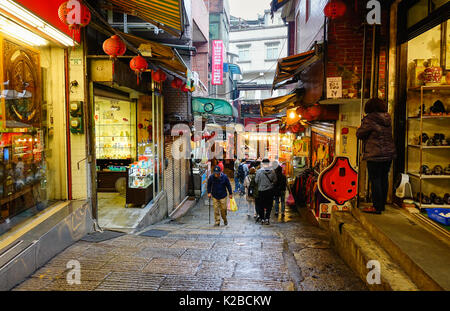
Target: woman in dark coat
378, 150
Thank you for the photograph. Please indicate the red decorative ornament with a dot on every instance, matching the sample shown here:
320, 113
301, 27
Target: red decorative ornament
159, 76
114, 47
307, 115
335, 9
176, 83
184, 88
138, 64
75, 16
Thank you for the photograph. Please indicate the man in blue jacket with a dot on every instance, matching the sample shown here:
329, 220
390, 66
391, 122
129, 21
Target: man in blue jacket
218, 184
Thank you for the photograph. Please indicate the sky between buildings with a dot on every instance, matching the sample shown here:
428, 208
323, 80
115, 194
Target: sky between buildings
248, 9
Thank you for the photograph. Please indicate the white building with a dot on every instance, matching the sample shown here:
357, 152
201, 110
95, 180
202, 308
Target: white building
259, 44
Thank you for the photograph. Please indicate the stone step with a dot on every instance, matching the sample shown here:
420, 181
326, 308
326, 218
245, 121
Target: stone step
357, 248
420, 254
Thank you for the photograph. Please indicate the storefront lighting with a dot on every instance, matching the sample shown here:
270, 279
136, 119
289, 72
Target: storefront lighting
20, 33
16, 10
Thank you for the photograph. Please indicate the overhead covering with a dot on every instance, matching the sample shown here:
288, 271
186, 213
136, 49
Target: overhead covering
275, 105
276, 4
161, 55
232, 68
289, 67
214, 106
164, 14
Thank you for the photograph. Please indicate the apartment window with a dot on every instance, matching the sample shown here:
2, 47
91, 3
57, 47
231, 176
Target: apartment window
244, 53
272, 50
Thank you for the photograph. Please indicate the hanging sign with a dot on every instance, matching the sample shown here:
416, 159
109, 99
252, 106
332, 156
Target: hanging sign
217, 62
334, 87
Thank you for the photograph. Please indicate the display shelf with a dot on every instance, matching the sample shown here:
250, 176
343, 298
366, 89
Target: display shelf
422, 176
432, 205
429, 147
429, 88
428, 117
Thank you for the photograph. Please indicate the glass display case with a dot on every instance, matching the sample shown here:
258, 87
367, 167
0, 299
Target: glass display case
115, 129
141, 176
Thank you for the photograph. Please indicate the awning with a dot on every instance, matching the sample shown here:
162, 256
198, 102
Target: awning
164, 14
232, 68
275, 105
161, 55
215, 106
289, 67
276, 4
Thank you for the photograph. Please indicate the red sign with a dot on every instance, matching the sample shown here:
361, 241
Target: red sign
48, 11
217, 62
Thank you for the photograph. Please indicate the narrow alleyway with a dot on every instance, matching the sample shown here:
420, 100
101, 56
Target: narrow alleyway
191, 254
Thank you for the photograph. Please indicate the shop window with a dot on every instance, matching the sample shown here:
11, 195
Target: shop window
272, 50
32, 131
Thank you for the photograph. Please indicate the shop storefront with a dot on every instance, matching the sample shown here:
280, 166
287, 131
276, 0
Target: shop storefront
424, 108
33, 141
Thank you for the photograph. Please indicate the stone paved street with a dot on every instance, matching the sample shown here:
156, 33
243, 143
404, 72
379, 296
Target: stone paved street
288, 254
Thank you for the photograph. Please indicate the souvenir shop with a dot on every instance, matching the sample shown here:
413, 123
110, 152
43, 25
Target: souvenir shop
128, 113
33, 134
425, 68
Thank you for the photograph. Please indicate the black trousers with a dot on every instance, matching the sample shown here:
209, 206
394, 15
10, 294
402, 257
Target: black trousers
264, 203
378, 177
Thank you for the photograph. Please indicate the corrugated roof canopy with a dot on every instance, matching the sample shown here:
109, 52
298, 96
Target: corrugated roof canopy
275, 105
164, 14
290, 66
162, 55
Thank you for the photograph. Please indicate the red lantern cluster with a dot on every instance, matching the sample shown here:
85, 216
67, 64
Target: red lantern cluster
176, 83
335, 9
75, 16
184, 88
138, 64
114, 47
159, 76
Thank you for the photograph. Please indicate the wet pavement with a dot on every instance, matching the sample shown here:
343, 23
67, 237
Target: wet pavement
289, 254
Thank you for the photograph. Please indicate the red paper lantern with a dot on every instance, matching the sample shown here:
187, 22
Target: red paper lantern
138, 64
114, 47
159, 76
184, 88
315, 111
75, 17
176, 83
335, 9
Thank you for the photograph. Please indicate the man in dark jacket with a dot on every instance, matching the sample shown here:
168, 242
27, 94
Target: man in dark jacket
378, 150
218, 184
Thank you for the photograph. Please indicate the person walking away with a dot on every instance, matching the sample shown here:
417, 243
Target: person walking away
218, 185
378, 150
236, 180
251, 191
265, 179
280, 191
242, 173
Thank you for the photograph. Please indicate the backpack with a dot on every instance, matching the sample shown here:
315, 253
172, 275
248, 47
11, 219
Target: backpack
241, 172
252, 188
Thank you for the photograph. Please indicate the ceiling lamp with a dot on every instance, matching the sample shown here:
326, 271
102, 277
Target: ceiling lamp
20, 33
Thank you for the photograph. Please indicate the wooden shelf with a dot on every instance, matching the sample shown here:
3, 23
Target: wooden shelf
417, 175
429, 147
430, 88
428, 117
432, 205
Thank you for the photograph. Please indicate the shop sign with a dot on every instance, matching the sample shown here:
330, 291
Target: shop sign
374, 15
217, 62
334, 87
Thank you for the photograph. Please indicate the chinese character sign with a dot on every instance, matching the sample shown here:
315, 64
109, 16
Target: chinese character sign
334, 87
217, 62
